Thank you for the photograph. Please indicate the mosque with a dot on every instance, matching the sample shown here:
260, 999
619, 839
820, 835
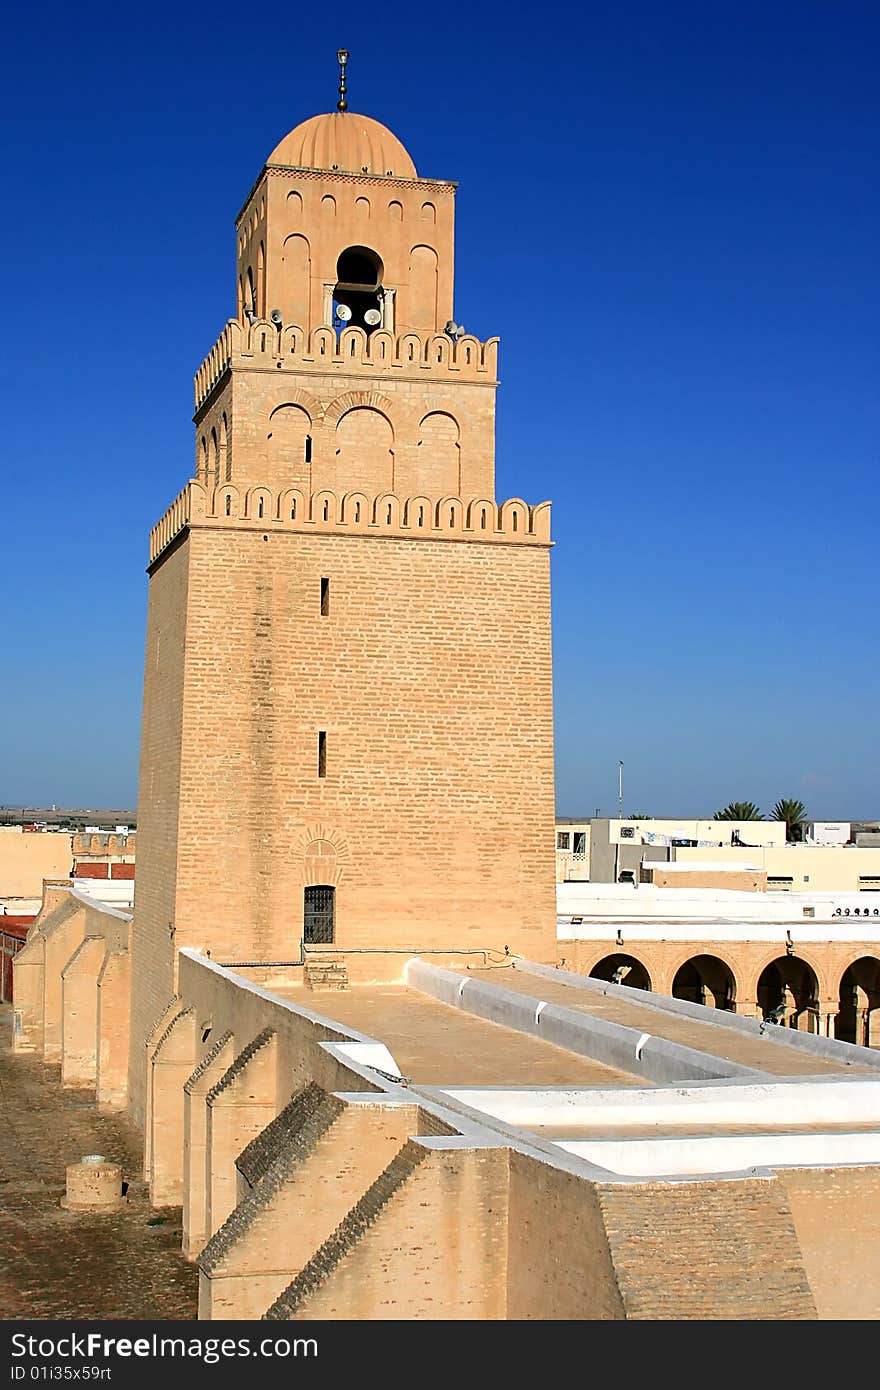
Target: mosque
334, 1006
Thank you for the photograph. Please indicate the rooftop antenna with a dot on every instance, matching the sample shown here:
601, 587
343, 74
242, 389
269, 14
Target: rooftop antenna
342, 55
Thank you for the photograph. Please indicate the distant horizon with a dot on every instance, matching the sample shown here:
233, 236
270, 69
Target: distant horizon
74, 810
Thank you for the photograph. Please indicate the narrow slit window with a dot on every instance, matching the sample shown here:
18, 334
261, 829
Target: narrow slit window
260, 507
308, 449
325, 597
322, 753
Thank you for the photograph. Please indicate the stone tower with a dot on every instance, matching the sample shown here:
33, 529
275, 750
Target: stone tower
347, 730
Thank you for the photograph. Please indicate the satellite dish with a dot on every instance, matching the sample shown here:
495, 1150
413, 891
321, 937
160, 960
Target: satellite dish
343, 312
372, 317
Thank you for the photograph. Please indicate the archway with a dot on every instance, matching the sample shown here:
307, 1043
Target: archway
791, 982
636, 977
859, 997
705, 980
358, 297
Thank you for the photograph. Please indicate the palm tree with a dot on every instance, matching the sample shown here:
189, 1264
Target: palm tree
739, 810
794, 813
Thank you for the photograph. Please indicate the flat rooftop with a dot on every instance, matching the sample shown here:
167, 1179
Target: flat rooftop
731, 1100
435, 1044
762, 1053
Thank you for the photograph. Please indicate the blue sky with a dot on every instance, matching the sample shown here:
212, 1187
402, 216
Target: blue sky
670, 214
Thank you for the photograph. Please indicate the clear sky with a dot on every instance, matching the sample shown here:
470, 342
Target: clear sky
670, 214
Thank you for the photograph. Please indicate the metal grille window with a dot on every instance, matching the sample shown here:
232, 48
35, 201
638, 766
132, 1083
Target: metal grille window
319, 913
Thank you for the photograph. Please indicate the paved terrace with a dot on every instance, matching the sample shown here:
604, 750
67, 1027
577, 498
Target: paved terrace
437, 1045
761, 1053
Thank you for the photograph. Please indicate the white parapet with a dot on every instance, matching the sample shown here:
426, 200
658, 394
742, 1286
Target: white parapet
725, 1153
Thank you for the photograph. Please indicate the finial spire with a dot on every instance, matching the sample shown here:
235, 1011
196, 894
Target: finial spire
342, 55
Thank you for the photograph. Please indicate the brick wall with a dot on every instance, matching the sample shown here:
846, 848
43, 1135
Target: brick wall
559, 1265
417, 433
158, 794
431, 677
687, 1251
836, 1215
427, 1241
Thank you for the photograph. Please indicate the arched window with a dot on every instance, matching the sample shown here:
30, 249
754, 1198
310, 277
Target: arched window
319, 915
358, 289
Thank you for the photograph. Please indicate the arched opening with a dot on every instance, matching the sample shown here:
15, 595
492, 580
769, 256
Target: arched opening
621, 969
705, 980
358, 298
859, 997
789, 984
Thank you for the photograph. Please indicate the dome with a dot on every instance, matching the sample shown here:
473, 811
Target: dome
345, 141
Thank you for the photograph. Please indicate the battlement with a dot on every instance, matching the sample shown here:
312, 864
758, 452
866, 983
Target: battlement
353, 513
103, 843
261, 344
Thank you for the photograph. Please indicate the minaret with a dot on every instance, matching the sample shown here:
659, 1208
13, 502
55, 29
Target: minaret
345, 261
347, 733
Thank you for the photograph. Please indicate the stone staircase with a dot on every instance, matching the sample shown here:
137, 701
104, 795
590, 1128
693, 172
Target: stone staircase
706, 1251
325, 972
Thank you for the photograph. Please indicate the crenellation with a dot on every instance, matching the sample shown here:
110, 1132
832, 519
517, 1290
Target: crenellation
411, 355
417, 518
